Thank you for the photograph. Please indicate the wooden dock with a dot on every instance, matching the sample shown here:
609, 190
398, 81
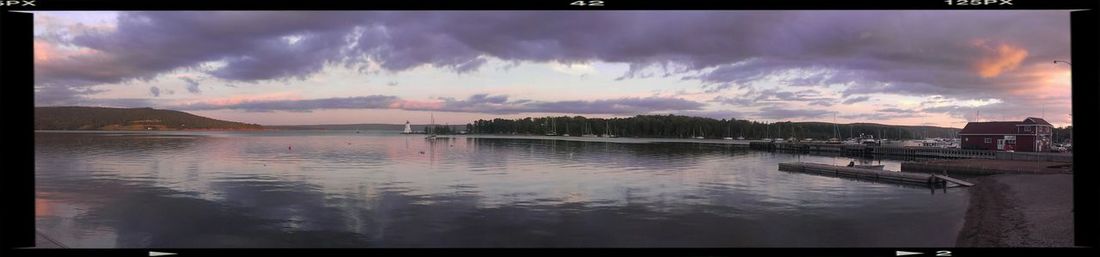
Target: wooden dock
929, 180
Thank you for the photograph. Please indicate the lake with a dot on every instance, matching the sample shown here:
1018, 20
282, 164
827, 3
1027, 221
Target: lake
382, 189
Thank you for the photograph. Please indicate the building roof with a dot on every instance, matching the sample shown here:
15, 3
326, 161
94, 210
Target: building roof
1033, 120
992, 127
1000, 127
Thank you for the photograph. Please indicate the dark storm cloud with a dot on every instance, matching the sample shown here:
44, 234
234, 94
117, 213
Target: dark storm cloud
155, 91
897, 52
479, 103
192, 85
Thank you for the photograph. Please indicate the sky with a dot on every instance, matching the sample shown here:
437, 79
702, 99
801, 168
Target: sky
939, 68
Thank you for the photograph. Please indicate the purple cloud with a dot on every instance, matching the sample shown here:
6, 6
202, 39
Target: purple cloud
857, 99
895, 110
773, 113
919, 53
756, 97
483, 103
479, 103
192, 85
358, 102
838, 46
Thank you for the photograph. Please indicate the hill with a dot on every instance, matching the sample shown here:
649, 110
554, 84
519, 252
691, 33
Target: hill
103, 118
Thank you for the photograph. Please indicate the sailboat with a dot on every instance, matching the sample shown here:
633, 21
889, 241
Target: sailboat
700, 134
553, 128
607, 130
742, 135
836, 133
431, 129
566, 130
448, 126
587, 131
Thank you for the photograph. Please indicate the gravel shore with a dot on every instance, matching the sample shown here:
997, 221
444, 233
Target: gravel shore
1019, 211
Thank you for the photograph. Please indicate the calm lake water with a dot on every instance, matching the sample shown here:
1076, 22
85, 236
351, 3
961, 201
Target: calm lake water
380, 189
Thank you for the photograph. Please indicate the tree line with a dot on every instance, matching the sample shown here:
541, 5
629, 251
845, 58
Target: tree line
678, 126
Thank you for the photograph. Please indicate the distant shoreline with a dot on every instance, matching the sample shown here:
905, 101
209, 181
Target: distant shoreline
135, 130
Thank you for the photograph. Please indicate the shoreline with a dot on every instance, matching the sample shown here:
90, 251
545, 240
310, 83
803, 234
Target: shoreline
1017, 210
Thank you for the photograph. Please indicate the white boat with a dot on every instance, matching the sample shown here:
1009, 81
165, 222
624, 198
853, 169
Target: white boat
727, 138
869, 141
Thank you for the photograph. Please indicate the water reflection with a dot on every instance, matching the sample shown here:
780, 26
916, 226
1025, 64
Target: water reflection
384, 190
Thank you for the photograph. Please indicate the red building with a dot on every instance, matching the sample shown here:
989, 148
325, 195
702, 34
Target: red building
1030, 135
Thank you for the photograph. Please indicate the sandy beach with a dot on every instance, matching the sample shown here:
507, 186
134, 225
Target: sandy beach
1019, 211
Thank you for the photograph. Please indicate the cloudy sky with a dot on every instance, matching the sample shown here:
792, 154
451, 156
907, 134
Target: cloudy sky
273, 68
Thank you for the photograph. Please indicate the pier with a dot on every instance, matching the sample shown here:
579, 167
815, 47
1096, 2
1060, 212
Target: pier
916, 179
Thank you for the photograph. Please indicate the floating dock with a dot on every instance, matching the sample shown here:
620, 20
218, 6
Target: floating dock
929, 180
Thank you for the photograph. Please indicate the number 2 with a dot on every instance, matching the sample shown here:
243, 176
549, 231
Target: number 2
587, 3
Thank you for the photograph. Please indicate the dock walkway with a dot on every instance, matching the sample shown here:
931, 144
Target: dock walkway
929, 180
